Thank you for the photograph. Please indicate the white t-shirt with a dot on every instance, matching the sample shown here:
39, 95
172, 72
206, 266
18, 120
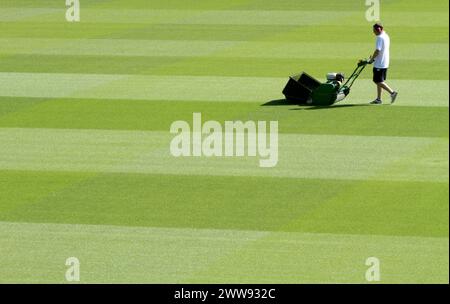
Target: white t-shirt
382, 44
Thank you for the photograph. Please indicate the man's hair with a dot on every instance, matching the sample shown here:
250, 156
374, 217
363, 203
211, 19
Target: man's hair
378, 27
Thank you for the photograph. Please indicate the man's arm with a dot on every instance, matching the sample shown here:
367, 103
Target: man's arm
378, 47
375, 54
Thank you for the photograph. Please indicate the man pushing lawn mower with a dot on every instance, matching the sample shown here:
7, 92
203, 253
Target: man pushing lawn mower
380, 60
306, 90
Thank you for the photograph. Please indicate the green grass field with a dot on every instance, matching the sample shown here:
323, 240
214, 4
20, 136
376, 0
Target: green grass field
86, 171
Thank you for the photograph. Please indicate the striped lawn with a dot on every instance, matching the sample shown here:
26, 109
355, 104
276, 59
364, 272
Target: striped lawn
85, 168
244, 17
180, 48
207, 66
194, 88
161, 255
115, 114
326, 156
215, 32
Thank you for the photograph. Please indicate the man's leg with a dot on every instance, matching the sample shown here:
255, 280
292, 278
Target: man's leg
378, 100
379, 76
377, 79
379, 89
393, 93
383, 85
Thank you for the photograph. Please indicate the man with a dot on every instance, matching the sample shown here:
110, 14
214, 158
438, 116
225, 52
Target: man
380, 60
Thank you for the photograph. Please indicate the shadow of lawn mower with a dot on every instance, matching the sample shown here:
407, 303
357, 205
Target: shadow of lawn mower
306, 90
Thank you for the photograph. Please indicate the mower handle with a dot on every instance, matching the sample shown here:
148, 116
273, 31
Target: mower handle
359, 68
364, 62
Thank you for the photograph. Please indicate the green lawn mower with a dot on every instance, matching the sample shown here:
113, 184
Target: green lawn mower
306, 90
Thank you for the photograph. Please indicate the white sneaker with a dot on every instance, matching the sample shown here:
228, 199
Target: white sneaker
393, 96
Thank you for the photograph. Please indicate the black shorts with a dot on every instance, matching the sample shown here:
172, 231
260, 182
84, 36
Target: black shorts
379, 75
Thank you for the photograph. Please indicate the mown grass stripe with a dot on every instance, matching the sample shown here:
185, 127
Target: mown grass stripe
300, 156
242, 17
214, 32
188, 48
343, 119
21, 14
213, 66
318, 5
197, 88
36, 253
172, 16
280, 204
